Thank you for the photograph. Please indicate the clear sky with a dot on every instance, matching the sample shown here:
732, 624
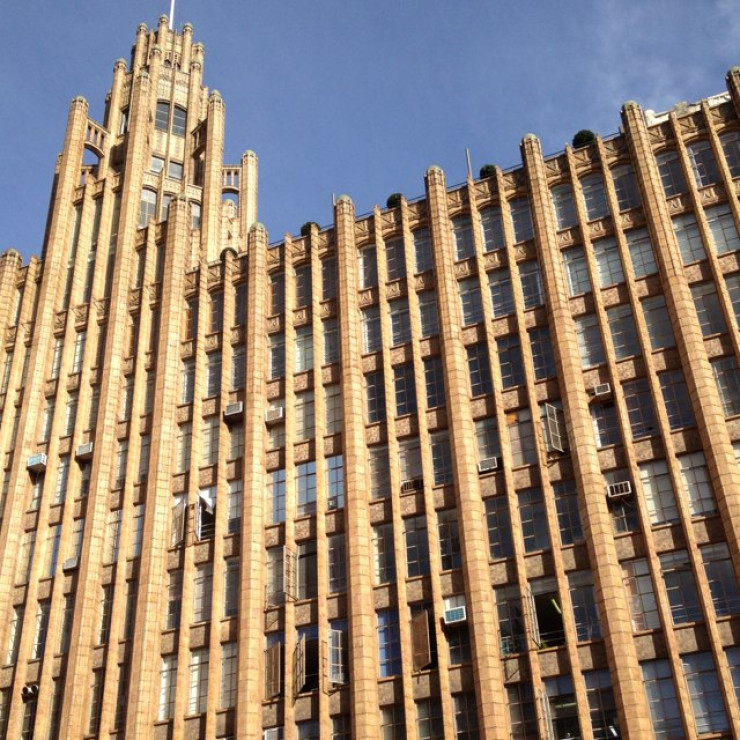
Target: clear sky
359, 97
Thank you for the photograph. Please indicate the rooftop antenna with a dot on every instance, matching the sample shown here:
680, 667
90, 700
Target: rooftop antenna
172, 14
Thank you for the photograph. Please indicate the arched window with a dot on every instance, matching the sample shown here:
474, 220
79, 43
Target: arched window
703, 163
148, 207
731, 147
671, 174
564, 206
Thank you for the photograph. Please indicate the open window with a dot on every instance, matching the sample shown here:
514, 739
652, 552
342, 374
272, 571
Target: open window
205, 513
306, 661
179, 517
547, 613
273, 670
421, 641
338, 654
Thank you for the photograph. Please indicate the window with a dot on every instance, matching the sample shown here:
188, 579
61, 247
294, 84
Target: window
510, 620
576, 271
167, 687
335, 481
466, 716
606, 424
531, 281
375, 397
372, 340
238, 368
417, 546
80, 340
625, 185
234, 522
534, 519
209, 441
583, 601
658, 490
14, 638
42, 626
569, 518
608, 262
422, 250
479, 370
179, 121
429, 724
727, 375
543, 358
492, 229
731, 147
162, 116
328, 278
594, 197
722, 226
671, 173
521, 438
676, 399
384, 557
395, 259
563, 710
698, 485
588, 336
733, 659
704, 692
277, 293
409, 460
502, 296
202, 592
304, 349
641, 252
277, 356
228, 675
277, 496
688, 238
510, 361
392, 723
462, 231
198, 681
213, 374
333, 409
337, 556
449, 539
240, 304
471, 304
113, 536
303, 285
305, 419
341, 728
703, 164
521, 220
138, 531
195, 216
389, 643
400, 321
564, 206
520, 698
441, 458
601, 705
428, 314
640, 410
721, 577
306, 570
70, 416
306, 488
184, 443
405, 389
379, 472
147, 207
498, 522
60, 492
434, 382
680, 585
368, 265
331, 341
658, 323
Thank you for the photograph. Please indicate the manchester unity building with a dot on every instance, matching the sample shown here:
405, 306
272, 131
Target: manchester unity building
464, 467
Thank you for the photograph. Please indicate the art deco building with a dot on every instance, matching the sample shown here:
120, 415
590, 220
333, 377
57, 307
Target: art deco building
463, 467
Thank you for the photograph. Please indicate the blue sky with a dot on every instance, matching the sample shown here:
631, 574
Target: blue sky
359, 97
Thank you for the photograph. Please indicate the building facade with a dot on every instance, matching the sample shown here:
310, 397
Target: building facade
464, 467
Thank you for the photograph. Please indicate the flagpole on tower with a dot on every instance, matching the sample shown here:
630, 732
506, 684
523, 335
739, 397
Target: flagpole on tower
172, 14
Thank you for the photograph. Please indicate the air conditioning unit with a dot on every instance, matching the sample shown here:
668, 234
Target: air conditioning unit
415, 484
455, 614
29, 691
273, 733
70, 564
234, 411
487, 464
84, 452
37, 463
274, 416
619, 489
601, 389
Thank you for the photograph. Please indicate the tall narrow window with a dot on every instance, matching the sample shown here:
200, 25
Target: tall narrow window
641, 252
492, 229
422, 250
625, 185
703, 164
594, 197
704, 692
521, 219
722, 225
688, 238
502, 296
671, 173
608, 262
462, 231
564, 206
